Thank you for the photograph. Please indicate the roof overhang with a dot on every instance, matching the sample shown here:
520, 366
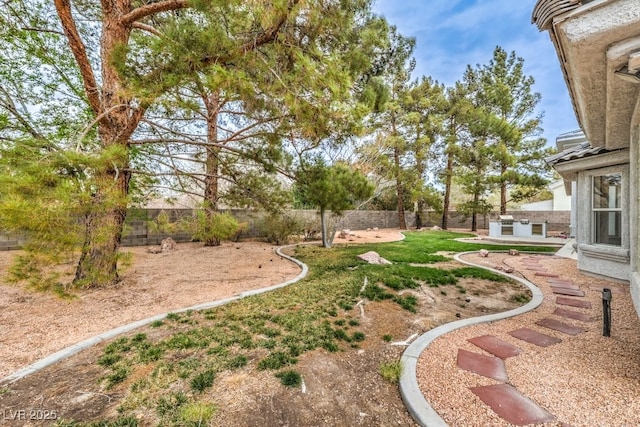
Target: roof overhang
569, 169
596, 42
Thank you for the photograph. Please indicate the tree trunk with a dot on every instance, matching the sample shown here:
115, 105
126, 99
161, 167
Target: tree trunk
98, 264
503, 191
447, 191
117, 119
419, 212
420, 171
323, 223
474, 213
211, 189
402, 223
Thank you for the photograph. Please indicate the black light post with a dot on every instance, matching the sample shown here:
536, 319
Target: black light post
606, 309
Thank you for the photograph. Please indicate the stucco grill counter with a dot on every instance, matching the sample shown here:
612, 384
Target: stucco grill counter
507, 226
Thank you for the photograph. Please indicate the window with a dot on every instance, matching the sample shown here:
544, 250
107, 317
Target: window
607, 209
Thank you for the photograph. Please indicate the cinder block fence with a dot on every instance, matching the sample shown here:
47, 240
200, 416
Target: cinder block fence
138, 231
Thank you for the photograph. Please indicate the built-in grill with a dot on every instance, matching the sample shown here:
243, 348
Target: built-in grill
507, 226
506, 219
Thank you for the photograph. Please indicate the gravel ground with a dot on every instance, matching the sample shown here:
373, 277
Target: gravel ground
34, 325
586, 380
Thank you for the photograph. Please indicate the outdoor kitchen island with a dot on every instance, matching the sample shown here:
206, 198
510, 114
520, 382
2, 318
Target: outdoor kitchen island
506, 226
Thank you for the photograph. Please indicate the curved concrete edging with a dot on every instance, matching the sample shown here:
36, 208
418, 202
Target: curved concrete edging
83, 345
414, 400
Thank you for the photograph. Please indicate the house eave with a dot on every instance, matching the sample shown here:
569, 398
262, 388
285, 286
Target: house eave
569, 169
593, 41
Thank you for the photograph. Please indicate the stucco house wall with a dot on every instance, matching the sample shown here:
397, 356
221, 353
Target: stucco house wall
598, 46
599, 259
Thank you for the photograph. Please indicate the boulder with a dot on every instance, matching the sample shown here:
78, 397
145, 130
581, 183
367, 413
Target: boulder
373, 258
167, 244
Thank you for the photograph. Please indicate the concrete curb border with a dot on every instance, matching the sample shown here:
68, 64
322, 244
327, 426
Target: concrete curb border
83, 345
414, 400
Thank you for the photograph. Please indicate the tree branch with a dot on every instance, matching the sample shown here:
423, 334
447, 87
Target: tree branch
267, 36
147, 28
10, 106
42, 30
151, 9
63, 7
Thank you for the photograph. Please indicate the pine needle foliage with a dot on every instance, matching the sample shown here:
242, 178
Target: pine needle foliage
45, 197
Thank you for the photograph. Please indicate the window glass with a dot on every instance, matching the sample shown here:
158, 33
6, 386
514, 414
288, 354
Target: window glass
606, 191
607, 209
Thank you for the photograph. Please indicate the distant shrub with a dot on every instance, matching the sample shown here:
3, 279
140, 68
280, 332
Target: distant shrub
204, 226
311, 229
280, 228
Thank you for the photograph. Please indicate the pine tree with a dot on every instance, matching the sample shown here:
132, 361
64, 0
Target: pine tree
518, 150
332, 188
128, 54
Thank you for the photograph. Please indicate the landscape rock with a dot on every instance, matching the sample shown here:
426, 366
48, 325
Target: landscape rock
514, 252
167, 244
484, 253
373, 258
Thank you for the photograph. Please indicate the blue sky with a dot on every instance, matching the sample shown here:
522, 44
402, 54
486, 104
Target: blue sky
450, 34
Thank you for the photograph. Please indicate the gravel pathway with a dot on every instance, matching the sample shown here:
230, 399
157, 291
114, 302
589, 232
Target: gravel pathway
581, 378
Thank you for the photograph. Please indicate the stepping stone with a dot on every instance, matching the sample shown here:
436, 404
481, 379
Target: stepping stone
566, 291
487, 366
511, 405
562, 283
544, 274
495, 346
575, 315
535, 338
573, 302
559, 326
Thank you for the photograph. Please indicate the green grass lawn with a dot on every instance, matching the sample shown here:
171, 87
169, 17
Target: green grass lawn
276, 328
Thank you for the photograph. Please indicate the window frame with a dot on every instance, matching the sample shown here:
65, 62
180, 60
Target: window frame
595, 211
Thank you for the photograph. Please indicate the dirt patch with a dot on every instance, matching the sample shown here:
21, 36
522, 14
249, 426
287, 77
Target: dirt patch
343, 388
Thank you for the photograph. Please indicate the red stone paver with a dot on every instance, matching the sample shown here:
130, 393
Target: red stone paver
575, 315
543, 274
487, 366
495, 346
557, 281
562, 283
535, 338
573, 302
559, 326
566, 291
512, 405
